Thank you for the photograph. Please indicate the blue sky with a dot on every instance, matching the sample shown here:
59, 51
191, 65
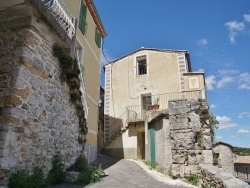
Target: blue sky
215, 32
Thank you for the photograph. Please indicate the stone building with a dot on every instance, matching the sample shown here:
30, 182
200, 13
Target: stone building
138, 87
242, 167
223, 156
37, 115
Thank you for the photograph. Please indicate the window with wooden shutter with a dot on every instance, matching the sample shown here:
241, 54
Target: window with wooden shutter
98, 38
82, 19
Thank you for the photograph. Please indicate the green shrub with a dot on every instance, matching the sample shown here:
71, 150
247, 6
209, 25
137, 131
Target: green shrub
19, 179
22, 179
56, 174
193, 179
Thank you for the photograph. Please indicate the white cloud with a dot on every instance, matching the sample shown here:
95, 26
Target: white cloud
243, 131
246, 17
234, 28
224, 81
228, 72
210, 82
201, 70
218, 137
244, 81
212, 106
244, 115
225, 122
202, 42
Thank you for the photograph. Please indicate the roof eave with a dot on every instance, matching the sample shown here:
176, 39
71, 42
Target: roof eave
94, 13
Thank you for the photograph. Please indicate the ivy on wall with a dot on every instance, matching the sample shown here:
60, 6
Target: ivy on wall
69, 74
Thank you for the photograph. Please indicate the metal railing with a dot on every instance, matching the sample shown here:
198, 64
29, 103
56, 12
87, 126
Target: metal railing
62, 15
162, 99
137, 113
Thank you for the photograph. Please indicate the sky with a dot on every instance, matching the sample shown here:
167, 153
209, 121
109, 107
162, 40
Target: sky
215, 32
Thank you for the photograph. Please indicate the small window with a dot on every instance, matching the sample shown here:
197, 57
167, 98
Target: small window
141, 65
82, 19
98, 38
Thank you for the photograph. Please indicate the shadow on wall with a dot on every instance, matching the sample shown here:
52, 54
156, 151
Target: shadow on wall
112, 140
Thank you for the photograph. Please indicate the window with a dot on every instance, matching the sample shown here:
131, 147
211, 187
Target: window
146, 102
141, 65
82, 19
98, 38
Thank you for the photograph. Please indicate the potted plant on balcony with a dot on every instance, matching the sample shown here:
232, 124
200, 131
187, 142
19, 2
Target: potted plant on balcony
154, 106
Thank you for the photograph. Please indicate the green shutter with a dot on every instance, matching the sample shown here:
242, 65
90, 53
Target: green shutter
98, 38
82, 19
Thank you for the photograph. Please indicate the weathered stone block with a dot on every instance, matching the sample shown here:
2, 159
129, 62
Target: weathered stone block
207, 157
182, 139
11, 100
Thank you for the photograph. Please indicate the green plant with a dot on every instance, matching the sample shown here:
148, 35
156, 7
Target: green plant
212, 125
170, 173
75, 96
19, 179
199, 138
70, 71
193, 179
56, 174
87, 174
22, 179
151, 165
79, 165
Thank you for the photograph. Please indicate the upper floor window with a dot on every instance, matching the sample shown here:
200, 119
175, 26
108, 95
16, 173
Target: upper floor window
82, 18
98, 38
141, 65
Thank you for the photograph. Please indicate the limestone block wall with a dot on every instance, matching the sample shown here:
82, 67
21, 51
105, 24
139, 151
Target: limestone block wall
36, 117
190, 136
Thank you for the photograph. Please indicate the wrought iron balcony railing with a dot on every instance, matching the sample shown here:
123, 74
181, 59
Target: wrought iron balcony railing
62, 15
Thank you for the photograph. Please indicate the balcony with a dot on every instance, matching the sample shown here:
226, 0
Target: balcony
62, 15
135, 114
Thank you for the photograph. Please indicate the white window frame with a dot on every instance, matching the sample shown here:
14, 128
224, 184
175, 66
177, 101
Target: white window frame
136, 64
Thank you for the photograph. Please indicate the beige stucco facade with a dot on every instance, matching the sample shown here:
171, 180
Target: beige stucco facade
151, 75
90, 57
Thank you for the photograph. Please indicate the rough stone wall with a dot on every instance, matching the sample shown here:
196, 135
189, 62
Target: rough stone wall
190, 136
242, 171
36, 117
225, 157
214, 177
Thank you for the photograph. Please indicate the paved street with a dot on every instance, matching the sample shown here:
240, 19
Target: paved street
122, 173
